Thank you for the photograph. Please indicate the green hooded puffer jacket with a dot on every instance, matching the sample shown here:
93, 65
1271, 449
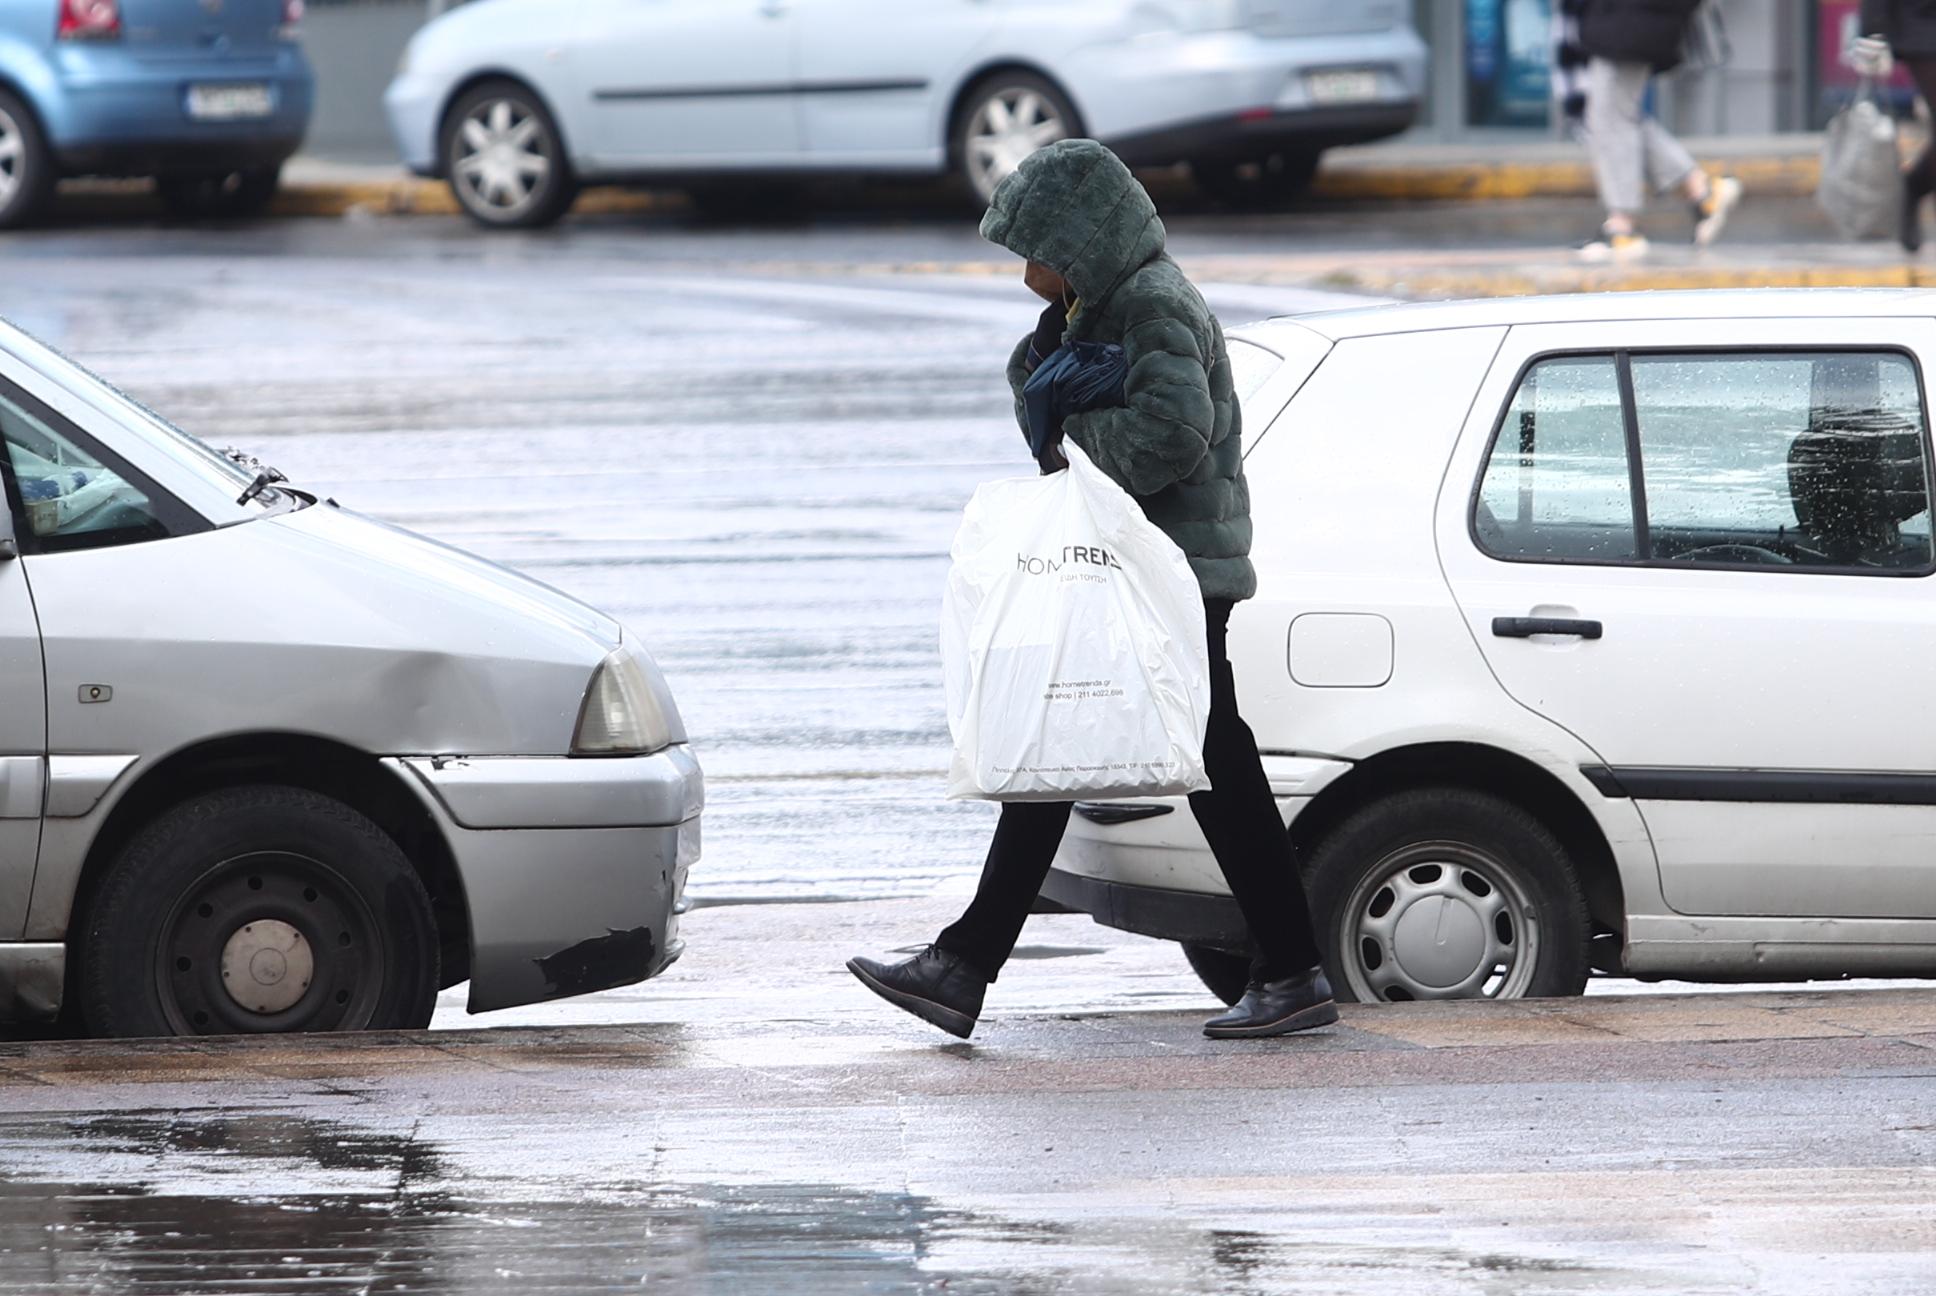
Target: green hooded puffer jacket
1177, 444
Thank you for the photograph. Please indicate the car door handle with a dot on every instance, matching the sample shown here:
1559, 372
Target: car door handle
1527, 627
8, 549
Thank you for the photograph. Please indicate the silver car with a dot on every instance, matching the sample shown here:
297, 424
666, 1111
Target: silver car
520, 102
268, 765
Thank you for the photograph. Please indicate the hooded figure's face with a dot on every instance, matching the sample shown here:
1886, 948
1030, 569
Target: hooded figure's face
1044, 282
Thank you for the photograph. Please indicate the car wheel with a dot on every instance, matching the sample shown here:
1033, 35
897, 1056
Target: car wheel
1224, 974
219, 197
257, 910
1447, 893
26, 167
1002, 121
1257, 184
506, 159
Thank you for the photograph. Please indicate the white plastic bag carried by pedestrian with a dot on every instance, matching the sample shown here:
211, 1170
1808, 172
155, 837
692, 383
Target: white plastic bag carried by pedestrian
1861, 186
1073, 638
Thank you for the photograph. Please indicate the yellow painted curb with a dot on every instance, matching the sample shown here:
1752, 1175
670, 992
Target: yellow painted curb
415, 197
1507, 181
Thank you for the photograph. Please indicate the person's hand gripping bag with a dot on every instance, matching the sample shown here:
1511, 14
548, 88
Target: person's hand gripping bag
1073, 638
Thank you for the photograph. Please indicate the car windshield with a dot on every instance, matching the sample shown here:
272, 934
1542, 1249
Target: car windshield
228, 470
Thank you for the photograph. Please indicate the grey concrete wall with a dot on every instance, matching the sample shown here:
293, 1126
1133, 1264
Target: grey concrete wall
354, 46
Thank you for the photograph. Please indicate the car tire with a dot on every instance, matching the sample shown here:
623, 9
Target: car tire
1224, 974
1419, 893
1004, 118
1268, 183
258, 910
505, 158
26, 165
232, 196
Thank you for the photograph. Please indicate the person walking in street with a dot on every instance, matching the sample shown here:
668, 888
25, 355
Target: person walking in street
1094, 249
1905, 30
1627, 42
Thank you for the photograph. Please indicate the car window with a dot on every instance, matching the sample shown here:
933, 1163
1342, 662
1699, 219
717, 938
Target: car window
1776, 460
1784, 459
68, 496
1557, 484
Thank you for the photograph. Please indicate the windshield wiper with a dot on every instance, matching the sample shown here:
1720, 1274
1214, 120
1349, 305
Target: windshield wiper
263, 481
265, 476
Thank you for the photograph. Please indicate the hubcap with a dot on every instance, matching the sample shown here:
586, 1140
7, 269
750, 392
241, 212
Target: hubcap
1439, 920
13, 157
269, 941
1009, 125
267, 965
503, 157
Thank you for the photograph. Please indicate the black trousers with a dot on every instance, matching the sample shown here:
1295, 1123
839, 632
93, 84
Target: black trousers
1238, 816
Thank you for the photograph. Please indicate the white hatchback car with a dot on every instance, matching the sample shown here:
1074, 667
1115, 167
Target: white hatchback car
519, 102
1590, 635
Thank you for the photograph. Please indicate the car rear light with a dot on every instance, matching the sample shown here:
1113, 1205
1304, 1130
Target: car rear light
292, 16
89, 20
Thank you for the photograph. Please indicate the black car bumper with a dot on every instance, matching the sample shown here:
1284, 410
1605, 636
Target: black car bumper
1187, 916
1252, 136
201, 158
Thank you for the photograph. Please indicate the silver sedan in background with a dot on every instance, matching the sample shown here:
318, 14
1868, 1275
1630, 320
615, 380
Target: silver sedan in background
519, 103
268, 765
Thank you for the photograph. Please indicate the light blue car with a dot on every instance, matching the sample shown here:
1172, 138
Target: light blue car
518, 103
210, 97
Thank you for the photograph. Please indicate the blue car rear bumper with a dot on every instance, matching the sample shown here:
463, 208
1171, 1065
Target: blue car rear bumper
107, 112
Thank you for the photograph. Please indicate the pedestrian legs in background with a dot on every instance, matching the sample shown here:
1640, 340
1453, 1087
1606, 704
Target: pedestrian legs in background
1919, 181
1631, 150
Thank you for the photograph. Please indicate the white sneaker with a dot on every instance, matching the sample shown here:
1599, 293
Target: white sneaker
1711, 213
1611, 248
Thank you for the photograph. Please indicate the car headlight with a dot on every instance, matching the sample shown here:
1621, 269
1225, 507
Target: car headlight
627, 709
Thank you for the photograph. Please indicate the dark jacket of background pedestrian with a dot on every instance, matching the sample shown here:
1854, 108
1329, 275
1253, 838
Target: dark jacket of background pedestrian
1176, 443
1653, 32
1908, 25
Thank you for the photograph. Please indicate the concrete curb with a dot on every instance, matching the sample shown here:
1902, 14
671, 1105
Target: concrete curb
410, 196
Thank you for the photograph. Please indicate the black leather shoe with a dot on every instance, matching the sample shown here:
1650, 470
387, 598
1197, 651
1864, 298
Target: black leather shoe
1284, 1007
1910, 231
934, 985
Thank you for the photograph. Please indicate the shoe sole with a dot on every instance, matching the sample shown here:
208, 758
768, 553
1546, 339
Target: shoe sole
1710, 227
958, 1024
1324, 1014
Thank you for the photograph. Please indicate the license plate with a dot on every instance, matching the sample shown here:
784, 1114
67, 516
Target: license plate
229, 102
1354, 86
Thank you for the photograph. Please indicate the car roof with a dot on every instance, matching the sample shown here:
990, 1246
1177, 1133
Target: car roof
1580, 308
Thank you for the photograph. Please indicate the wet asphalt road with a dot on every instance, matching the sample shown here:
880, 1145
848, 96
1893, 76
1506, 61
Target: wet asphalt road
755, 455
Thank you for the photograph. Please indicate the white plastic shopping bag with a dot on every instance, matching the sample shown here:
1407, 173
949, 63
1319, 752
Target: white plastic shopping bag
1861, 185
1074, 642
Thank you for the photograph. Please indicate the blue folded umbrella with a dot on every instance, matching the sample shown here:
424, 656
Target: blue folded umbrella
1076, 378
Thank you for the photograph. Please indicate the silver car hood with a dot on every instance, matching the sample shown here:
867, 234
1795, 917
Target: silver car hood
318, 622
455, 574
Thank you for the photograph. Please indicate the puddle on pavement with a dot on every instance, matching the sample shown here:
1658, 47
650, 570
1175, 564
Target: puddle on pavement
264, 1201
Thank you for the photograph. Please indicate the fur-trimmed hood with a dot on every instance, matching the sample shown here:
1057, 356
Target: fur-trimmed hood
1075, 208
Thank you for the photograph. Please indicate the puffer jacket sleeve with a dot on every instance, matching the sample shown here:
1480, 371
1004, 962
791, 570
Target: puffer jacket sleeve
1018, 376
1166, 424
